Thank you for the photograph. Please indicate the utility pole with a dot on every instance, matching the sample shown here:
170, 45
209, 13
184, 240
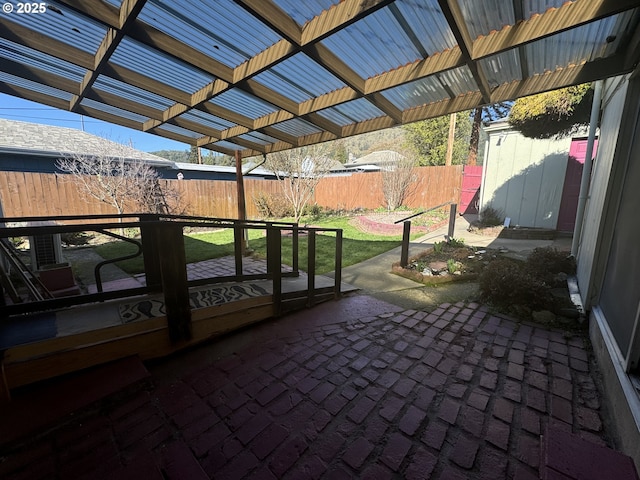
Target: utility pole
450, 138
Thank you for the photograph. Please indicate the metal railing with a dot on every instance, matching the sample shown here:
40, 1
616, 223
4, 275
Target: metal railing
162, 248
406, 230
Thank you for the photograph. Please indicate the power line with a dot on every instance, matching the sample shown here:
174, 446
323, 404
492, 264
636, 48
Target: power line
28, 108
34, 117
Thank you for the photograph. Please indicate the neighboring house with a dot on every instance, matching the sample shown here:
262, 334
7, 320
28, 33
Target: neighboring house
374, 161
533, 182
33, 147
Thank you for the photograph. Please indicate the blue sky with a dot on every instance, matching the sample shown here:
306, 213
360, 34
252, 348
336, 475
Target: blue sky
14, 108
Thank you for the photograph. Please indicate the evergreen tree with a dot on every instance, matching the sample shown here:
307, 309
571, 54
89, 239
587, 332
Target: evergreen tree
427, 139
481, 115
552, 114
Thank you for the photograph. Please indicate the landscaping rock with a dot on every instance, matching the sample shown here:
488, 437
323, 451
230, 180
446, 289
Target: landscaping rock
438, 266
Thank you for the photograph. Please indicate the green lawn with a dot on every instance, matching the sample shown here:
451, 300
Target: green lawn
356, 246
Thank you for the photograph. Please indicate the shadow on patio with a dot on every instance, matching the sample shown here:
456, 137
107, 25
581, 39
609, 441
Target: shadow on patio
356, 388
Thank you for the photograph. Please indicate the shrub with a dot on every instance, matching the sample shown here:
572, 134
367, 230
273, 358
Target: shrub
491, 217
507, 282
456, 242
545, 262
272, 206
75, 238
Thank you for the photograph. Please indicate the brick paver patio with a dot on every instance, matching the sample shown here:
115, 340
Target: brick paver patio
458, 393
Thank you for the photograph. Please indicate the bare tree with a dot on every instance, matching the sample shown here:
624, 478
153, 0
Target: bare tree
299, 171
113, 175
398, 178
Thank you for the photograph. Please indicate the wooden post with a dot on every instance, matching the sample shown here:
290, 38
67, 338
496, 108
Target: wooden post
338, 266
173, 266
242, 207
311, 268
274, 266
450, 139
452, 221
150, 235
406, 236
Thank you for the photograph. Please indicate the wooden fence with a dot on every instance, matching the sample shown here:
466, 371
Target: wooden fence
40, 194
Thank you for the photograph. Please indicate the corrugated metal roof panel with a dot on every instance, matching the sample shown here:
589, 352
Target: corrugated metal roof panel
459, 80
416, 93
227, 145
34, 58
374, 45
300, 78
427, 23
221, 29
493, 15
351, 112
179, 130
536, 7
132, 93
401, 33
256, 139
63, 24
486, 16
260, 137
297, 127
302, 12
243, 103
142, 59
502, 68
103, 107
582, 44
9, 79
207, 119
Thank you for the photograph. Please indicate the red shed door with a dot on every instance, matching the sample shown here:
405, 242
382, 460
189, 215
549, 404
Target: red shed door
571, 189
470, 194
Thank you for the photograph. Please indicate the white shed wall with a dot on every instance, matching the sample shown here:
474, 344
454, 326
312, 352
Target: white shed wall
524, 177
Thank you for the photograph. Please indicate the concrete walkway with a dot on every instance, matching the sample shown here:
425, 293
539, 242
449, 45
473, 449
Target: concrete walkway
374, 277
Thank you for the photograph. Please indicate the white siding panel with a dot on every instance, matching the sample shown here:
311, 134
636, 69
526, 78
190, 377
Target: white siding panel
524, 177
615, 92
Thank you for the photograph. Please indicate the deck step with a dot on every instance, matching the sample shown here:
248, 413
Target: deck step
41, 406
566, 455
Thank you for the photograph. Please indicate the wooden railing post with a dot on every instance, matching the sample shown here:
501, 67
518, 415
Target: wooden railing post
295, 247
238, 247
150, 236
274, 266
406, 236
173, 268
338, 266
311, 268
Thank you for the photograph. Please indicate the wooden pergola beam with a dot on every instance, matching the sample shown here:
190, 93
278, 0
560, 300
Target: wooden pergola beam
453, 14
128, 12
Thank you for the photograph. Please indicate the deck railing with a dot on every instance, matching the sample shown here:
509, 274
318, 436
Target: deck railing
161, 245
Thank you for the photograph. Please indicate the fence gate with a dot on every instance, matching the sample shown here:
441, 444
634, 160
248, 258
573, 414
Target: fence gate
470, 194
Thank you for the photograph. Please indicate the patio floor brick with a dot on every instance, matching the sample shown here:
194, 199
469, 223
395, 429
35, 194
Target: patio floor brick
455, 393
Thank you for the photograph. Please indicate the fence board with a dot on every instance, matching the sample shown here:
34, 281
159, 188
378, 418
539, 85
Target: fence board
31, 194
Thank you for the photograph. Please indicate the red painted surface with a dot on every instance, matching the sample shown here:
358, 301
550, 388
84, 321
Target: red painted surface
471, 179
571, 189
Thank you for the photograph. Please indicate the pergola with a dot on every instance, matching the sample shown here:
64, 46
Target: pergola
258, 76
